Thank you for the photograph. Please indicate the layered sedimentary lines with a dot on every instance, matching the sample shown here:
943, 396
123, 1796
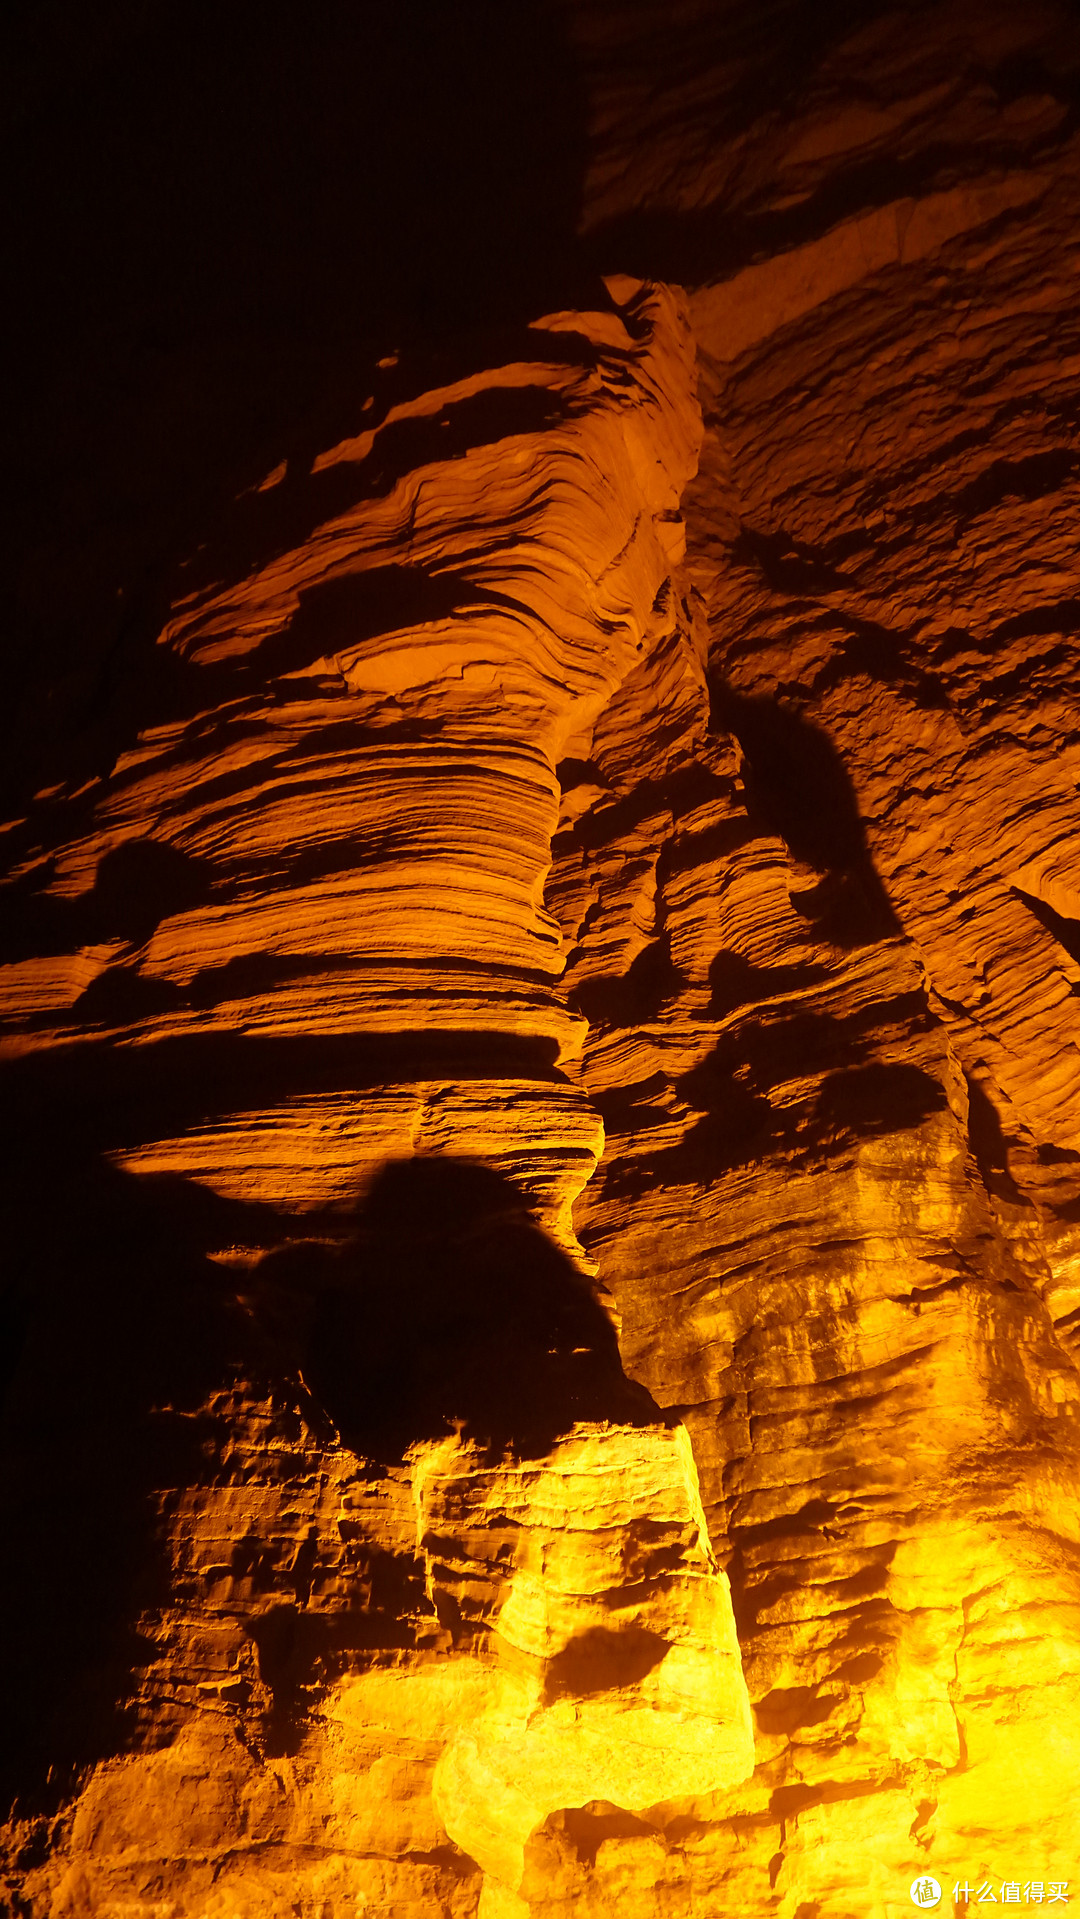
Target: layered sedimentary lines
344, 828
401, 1518
558, 1333
856, 1337
832, 1017
889, 624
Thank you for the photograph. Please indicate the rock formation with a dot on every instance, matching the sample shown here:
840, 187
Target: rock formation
540, 1062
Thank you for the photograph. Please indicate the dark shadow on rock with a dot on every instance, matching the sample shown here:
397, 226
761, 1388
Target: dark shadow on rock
741, 1120
786, 1709
1031, 478
125, 1328
1065, 931
140, 883
341, 613
788, 565
799, 789
735, 981
631, 997
452, 1310
585, 1828
137, 884
759, 1583
300, 1652
880, 1097
1061, 616
880, 653
604, 1659
989, 1145
97, 1097
741, 1127
630, 1109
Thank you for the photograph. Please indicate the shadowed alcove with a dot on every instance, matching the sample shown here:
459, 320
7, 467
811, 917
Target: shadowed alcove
449, 1309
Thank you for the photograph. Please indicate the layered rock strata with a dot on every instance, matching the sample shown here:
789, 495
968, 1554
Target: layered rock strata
309, 946
820, 916
553, 1346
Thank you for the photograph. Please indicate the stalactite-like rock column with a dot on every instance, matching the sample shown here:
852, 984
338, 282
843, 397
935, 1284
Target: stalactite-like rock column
413, 1565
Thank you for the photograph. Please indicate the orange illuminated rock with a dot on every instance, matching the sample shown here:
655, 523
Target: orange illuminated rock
543, 1078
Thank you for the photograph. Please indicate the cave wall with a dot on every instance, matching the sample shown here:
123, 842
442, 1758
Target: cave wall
541, 1083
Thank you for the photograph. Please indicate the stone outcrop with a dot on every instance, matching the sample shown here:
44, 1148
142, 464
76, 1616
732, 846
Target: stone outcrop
541, 1073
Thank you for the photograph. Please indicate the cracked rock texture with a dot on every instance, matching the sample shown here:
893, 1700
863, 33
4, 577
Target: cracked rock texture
541, 949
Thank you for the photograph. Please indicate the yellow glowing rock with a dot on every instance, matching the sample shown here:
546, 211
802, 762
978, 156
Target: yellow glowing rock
605, 1684
666, 799
610, 1670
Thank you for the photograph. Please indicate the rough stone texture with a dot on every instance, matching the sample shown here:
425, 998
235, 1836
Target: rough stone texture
556, 1332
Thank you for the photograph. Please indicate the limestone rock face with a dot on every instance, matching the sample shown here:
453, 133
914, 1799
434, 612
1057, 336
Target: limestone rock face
541, 1074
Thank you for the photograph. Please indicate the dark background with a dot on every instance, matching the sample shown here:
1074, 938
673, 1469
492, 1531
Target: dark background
219, 217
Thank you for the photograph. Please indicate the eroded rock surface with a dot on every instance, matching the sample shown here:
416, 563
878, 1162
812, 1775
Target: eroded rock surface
555, 1328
